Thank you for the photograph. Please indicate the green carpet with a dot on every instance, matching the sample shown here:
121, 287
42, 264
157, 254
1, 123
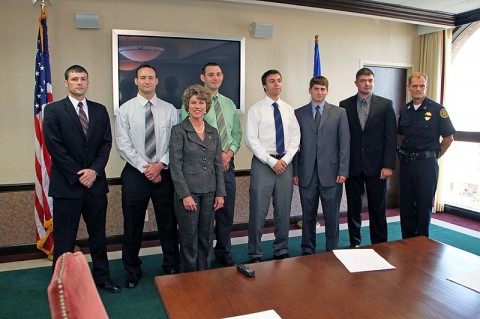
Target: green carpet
23, 293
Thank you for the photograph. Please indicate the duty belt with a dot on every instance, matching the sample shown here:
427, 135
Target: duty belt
414, 156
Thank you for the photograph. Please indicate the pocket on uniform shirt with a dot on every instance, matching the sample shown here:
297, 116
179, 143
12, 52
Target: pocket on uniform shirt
425, 129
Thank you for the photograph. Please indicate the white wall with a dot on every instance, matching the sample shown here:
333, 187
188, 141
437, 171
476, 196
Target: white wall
344, 42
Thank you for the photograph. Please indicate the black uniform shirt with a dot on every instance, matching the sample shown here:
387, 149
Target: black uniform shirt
422, 128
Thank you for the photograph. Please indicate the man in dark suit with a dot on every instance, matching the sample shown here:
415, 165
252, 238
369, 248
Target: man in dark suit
321, 166
78, 137
372, 157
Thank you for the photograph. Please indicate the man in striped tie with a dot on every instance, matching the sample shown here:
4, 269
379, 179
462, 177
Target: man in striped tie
79, 138
223, 116
142, 135
273, 136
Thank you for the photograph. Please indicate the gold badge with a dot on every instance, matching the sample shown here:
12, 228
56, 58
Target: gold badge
444, 114
428, 116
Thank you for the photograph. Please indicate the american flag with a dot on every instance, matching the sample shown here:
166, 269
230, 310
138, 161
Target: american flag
42, 96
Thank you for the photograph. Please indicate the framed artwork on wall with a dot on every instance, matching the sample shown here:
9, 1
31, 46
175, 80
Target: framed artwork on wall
178, 59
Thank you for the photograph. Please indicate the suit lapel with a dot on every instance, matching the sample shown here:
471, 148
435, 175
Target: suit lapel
193, 136
372, 110
326, 114
307, 114
92, 117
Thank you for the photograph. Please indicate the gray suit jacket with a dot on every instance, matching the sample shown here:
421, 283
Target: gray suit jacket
330, 148
196, 165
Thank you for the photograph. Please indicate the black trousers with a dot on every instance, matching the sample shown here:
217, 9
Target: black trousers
137, 191
224, 216
418, 183
67, 214
376, 196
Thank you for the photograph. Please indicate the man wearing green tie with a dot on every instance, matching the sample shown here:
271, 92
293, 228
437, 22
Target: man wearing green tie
223, 116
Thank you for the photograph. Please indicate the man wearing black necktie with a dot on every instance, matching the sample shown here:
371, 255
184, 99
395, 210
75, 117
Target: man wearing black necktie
373, 131
78, 136
321, 166
273, 136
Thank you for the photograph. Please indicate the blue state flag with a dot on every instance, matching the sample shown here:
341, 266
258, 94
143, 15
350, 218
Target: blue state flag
317, 67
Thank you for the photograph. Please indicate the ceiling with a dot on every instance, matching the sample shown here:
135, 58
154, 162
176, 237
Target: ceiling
446, 13
448, 6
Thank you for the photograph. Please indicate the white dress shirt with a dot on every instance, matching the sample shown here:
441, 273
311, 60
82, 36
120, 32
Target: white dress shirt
260, 133
130, 130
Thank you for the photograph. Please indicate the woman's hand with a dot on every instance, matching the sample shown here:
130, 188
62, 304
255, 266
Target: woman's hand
218, 203
189, 204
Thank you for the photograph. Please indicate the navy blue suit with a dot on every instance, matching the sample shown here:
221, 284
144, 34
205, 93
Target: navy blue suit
371, 149
72, 151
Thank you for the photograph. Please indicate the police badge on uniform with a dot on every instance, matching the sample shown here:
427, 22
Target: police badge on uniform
428, 116
444, 114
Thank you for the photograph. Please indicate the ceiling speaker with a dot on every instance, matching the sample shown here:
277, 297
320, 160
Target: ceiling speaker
87, 20
260, 30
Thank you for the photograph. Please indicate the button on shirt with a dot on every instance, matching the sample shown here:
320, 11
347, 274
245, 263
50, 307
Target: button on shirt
260, 132
130, 130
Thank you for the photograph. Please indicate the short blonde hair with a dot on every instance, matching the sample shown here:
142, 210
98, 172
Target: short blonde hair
201, 92
417, 75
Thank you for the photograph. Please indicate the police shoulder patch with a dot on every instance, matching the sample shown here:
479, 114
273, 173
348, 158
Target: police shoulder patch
443, 113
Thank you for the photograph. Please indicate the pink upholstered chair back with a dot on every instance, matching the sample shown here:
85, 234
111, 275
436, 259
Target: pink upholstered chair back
72, 293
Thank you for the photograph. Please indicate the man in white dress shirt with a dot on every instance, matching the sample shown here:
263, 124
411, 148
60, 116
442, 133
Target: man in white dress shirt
273, 136
143, 143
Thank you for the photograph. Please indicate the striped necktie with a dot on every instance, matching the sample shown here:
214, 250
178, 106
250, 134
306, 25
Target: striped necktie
150, 147
279, 136
83, 118
362, 114
222, 129
318, 118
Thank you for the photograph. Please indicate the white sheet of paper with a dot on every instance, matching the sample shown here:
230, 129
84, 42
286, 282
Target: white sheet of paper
469, 279
267, 314
357, 260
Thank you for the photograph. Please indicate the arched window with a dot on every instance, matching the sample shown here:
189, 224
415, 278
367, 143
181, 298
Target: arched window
461, 180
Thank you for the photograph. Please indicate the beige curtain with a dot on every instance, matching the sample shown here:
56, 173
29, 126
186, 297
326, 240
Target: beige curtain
435, 57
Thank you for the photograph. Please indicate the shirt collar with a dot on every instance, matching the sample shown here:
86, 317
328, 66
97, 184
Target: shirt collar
368, 99
75, 101
314, 105
143, 101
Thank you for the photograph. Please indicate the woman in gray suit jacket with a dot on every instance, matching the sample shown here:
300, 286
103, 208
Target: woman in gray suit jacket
196, 167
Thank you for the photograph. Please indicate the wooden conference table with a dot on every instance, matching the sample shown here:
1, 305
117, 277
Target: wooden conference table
319, 286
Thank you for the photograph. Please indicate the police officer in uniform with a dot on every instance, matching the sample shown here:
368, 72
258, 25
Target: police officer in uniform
421, 122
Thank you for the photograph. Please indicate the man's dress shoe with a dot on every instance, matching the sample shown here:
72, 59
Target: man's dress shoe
109, 286
132, 280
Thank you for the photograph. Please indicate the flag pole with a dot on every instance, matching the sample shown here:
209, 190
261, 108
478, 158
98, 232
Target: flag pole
43, 95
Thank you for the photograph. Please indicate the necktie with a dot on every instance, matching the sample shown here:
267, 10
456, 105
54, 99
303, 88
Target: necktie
83, 118
279, 136
362, 114
222, 129
150, 147
318, 118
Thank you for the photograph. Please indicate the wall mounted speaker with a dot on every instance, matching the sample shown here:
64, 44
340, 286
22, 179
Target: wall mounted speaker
87, 20
260, 30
